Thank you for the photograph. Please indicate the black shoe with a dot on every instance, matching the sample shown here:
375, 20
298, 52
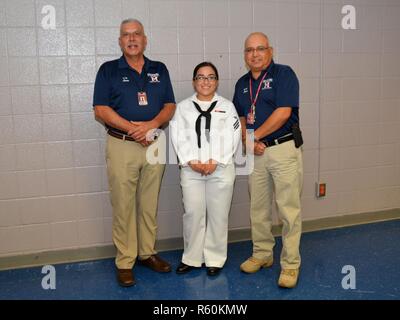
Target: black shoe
183, 268
213, 271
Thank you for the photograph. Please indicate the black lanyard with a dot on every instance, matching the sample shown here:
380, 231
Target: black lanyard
142, 83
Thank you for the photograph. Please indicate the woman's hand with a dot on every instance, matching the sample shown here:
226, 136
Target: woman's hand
210, 166
197, 166
204, 169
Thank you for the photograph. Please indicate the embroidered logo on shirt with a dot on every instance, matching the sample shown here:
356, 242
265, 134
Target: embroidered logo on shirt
245, 90
267, 84
153, 77
125, 79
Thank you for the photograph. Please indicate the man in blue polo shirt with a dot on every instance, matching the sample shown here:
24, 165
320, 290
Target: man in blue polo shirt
267, 101
133, 96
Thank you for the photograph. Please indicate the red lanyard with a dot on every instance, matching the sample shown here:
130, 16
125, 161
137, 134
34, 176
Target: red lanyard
253, 102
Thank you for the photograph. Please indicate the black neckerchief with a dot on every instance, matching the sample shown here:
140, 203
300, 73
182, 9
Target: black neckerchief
207, 115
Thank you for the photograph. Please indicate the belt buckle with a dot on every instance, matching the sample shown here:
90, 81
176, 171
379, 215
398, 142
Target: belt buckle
276, 141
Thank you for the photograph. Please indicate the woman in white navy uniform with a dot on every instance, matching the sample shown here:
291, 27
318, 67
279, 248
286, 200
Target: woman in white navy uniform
205, 132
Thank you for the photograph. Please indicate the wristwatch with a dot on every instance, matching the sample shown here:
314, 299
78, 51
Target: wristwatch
156, 134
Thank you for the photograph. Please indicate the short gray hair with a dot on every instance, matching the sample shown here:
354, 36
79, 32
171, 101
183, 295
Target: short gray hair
257, 33
129, 20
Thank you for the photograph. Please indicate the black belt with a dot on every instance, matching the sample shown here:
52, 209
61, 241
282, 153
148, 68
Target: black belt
120, 136
274, 142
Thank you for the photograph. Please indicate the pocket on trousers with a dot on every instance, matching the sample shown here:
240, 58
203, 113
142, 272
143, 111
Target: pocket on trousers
283, 152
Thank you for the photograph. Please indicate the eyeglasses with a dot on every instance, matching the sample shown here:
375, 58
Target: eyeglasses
260, 49
211, 78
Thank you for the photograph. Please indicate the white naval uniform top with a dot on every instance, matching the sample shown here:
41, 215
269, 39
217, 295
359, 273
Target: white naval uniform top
224, 137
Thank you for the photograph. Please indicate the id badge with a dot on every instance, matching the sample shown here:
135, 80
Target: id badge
142, 98
250, 118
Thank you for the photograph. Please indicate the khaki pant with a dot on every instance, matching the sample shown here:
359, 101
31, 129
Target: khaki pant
134, 187
279, 170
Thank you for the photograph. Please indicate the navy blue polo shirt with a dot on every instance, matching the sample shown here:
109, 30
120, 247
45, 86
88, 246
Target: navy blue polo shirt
280, 88
117, 86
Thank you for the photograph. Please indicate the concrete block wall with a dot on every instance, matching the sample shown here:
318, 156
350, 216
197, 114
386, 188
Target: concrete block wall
53, 184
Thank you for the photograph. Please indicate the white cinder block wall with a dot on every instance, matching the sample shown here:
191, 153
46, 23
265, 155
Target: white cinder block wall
53, 185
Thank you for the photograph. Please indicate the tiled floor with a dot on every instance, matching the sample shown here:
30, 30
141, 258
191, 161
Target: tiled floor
372, 249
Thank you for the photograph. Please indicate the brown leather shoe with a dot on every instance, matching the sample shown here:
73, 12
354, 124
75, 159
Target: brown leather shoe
125, 277
156, 263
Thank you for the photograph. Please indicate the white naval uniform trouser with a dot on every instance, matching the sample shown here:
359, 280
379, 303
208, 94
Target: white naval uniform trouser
207, 202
